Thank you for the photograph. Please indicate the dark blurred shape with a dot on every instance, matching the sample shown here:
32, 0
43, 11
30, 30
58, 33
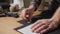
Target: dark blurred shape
2, 1
12, 14
4, 4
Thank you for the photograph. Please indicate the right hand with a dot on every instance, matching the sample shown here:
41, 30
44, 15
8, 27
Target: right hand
25, 12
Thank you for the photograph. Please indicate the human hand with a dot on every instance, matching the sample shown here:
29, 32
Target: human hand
27, 14
44, 25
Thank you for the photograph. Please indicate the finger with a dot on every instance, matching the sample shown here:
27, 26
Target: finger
37, 22
40, 28
24, 14
37, 26
51, 27
21, 16
30, 17
45, 30
29, 14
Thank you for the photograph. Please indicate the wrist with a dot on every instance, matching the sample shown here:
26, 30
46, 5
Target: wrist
55, 20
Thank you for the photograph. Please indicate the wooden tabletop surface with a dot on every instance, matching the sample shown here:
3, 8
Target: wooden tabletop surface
8, 24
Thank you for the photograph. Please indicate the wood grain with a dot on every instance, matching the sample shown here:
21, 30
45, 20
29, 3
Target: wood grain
8, 24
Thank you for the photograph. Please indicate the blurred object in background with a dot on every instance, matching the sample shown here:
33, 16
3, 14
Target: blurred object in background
14, 8
26, 3
16, 5
4, 9
4, 4
12, 14
20, 3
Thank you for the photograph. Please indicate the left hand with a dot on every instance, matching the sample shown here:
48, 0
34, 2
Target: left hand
44, 25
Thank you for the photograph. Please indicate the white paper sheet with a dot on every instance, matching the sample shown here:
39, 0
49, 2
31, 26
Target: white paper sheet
26, 30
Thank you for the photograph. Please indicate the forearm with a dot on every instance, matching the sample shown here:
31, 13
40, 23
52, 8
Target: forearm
34, 4
56, 16
31, 7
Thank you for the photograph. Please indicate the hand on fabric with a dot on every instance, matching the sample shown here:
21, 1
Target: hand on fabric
44, 25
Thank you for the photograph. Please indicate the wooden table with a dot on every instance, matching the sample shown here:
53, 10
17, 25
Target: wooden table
8, 24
